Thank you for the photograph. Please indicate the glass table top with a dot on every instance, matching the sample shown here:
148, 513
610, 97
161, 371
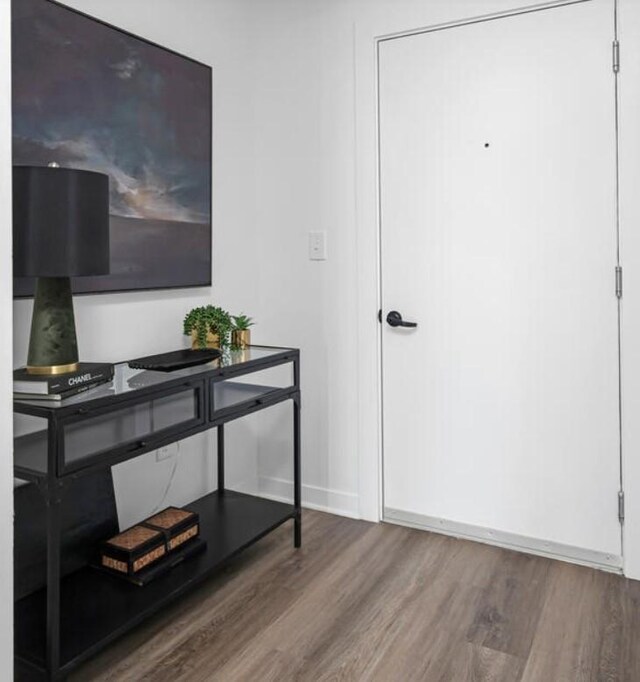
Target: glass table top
126, 379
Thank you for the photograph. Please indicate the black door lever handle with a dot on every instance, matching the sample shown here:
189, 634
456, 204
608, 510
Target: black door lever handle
394, 319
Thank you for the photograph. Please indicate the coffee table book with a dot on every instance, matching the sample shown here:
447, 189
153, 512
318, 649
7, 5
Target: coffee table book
54, 398
88, 373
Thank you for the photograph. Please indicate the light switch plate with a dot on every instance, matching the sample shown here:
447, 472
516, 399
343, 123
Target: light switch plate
318, 245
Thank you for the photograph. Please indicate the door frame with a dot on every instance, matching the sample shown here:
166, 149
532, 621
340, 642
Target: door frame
629, 163
368, 38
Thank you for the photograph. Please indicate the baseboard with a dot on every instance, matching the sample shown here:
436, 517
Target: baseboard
248, 487
521, 543
322, 499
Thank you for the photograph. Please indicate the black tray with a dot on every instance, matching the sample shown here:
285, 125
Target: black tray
177, 359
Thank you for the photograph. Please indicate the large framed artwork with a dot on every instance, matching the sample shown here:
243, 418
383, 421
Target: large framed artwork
90, 96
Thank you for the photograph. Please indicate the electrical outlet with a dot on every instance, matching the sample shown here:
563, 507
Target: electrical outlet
317, 246
166, 452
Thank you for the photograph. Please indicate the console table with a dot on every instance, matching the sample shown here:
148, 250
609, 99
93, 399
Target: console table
58, 627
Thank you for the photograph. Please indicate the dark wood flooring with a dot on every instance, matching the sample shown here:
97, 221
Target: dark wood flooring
362, 601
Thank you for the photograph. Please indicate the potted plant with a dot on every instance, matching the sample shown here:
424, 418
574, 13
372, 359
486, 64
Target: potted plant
209, 327
241, 333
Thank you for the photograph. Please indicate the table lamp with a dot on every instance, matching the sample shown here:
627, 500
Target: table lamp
60, 230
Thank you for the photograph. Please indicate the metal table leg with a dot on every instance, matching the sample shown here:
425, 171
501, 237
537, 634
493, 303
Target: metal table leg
220, 431
53, 584
297, 474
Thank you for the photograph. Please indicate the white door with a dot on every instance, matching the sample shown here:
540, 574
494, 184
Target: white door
498, 237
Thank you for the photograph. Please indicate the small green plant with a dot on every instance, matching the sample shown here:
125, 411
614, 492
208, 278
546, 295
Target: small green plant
240, 334
207, 319
242, 322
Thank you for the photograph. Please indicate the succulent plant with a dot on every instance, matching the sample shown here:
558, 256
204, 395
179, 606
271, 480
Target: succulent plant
242, 322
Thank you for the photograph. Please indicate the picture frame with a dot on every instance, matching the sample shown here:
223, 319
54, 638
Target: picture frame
93, 96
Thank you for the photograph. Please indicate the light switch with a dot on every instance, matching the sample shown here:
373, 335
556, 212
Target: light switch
317, 246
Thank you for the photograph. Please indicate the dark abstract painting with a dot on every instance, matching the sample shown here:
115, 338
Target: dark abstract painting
89, 96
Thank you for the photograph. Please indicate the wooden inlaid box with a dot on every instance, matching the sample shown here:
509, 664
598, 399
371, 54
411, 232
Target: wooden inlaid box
146, 543
134, 549
177, 525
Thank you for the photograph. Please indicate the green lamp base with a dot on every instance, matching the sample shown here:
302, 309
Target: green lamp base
53, 347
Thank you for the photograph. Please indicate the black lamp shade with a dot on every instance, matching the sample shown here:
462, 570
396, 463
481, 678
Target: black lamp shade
60, 222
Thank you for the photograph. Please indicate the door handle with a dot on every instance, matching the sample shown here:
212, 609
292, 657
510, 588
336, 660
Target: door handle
394, 319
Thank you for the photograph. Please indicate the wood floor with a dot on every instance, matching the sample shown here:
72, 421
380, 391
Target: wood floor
363, 601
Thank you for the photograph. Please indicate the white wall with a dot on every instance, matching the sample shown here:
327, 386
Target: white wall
304, 167
6, 429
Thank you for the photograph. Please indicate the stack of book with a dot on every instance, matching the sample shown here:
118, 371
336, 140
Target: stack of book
55, 388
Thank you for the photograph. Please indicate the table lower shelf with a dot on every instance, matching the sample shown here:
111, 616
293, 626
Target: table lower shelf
96, 608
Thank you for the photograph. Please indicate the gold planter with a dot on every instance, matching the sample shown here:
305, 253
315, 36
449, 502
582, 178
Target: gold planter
213, 341
241, 338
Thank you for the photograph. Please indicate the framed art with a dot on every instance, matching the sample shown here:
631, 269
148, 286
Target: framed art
91, 96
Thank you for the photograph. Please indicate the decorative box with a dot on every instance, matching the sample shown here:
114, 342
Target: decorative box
177, 525
154, 538
134, 549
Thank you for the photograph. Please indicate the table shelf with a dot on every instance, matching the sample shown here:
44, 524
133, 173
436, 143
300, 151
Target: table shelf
96, 607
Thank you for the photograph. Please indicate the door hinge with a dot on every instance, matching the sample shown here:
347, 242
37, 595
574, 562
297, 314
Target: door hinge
380, 316
619, 281
616, 56
621, 506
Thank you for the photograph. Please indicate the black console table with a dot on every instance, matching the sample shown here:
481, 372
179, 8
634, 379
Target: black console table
58, 627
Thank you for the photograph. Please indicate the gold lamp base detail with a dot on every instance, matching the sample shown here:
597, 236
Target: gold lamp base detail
53, 369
